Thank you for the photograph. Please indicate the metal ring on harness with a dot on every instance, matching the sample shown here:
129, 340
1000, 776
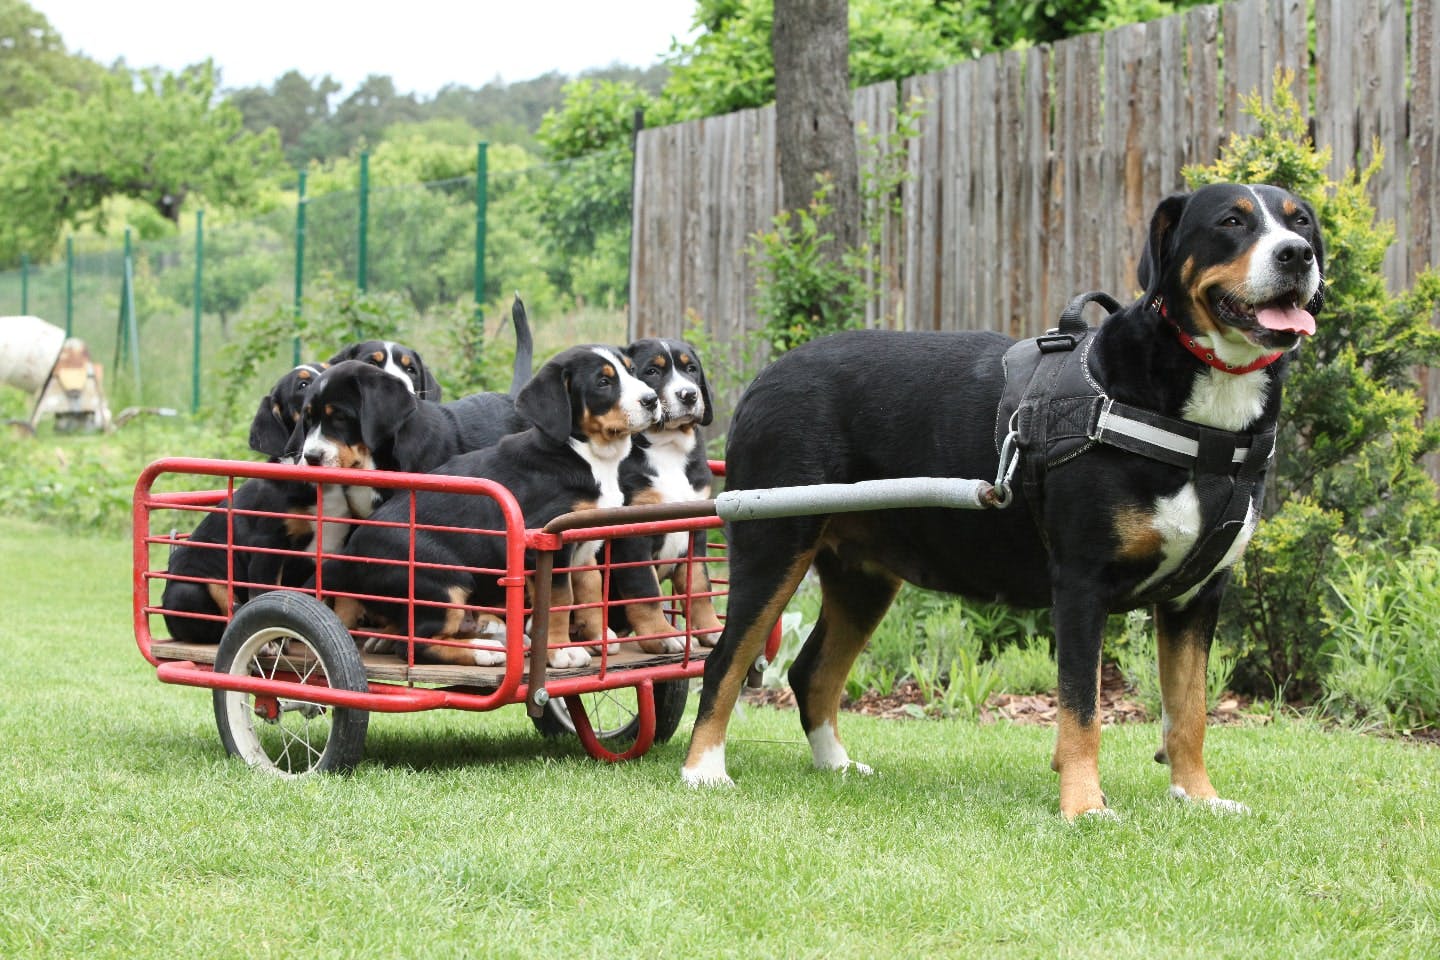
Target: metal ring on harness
1009, 460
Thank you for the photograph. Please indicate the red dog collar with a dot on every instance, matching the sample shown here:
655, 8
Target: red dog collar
1208, 357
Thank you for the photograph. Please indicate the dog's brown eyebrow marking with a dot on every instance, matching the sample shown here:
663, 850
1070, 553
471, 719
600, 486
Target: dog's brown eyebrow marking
608, 370
1290, 207
405, 361
305, 375
378, 356
659, 360
684, 358
329, 409
1244, 206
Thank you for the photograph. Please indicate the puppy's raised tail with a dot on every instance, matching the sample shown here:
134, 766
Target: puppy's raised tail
524, 348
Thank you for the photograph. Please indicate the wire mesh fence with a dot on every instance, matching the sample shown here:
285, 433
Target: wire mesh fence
419, 242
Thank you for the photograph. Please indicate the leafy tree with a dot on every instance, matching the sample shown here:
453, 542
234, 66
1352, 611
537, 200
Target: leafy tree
585, 205
293, 106
33, 60
729, 66
1351, 436
1045, 21
156, 137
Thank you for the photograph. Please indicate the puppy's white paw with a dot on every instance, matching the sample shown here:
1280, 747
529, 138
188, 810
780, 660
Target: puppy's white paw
379, 645
567, 657
663, 645
489, 656
608, 648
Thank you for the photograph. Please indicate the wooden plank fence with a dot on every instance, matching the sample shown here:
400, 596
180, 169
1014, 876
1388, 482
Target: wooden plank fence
1031, 174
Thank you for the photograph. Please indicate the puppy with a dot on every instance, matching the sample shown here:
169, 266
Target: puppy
585, 406
279, 411
401, 362
357, 416
268, 516
1142, 479
667, 464
255, 541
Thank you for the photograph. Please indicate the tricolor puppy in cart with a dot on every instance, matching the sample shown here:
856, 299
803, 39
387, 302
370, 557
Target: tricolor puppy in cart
1141, 449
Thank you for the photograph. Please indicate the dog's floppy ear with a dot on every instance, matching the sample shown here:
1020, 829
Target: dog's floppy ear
545, 402
268, 433
429, 386
1317, 302
385, 403
704, 384
1155, 258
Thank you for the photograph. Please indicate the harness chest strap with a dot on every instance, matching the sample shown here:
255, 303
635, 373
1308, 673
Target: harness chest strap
1058, 411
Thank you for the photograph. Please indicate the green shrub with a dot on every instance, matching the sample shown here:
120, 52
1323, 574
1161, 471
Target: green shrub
1384, 660
1351, 437
1026, 667
1139, 663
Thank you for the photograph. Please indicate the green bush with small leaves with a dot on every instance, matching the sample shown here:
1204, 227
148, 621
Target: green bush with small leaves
1351, 437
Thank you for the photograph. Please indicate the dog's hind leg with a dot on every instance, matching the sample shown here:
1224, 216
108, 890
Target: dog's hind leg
1182, 646
761, 584
1079, 623
854, 600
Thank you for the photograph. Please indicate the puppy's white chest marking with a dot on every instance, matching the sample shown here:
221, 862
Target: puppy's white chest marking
604, 461
668, 455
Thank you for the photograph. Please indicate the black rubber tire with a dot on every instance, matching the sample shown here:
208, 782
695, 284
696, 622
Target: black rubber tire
304, 737
670, 697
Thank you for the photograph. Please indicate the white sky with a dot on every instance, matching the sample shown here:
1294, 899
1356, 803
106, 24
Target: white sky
421, 44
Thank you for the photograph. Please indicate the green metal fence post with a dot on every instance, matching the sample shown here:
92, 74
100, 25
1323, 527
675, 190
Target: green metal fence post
482, 178
199, 287
299, 262
69, 287
127, 336
24, 284
362, 273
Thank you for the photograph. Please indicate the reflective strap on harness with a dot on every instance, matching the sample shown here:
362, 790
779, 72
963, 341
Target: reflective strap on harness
1179, 443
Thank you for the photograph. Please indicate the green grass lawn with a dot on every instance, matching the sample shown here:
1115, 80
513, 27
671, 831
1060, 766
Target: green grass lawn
126, 832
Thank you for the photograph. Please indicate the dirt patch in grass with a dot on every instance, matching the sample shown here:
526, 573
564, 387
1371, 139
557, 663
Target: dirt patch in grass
1116, 704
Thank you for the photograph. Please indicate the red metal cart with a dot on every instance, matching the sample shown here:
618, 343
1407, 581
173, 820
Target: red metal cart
293, 689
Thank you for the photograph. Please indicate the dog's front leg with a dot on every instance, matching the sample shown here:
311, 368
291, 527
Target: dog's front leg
1079, 624
1182, 646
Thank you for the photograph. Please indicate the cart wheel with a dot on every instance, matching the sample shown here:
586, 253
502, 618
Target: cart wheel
615, 714
290, 738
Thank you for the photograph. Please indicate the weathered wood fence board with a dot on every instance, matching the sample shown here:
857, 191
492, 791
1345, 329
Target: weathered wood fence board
1031, 174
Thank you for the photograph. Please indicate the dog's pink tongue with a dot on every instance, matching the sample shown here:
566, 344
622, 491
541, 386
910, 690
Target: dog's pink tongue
1292, 319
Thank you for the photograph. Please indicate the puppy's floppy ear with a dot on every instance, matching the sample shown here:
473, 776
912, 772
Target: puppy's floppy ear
268, 433
346, 353
704, 385
385, 404
429, 386
1155, 258
545, 402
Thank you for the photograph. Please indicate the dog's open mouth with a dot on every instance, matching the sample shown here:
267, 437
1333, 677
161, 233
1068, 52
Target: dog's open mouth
1281, 315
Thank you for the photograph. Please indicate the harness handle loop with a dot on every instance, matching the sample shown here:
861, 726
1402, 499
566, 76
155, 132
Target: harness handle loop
1071, 320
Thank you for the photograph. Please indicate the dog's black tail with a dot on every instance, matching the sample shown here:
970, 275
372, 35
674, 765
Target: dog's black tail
524, 348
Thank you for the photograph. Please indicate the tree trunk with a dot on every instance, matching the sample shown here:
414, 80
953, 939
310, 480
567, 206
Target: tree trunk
814, 112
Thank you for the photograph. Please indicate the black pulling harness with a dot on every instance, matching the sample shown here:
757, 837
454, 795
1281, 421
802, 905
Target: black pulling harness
1054, 409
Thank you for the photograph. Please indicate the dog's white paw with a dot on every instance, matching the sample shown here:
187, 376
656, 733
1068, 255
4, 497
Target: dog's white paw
566, 657
827, 753
663, 645
379, 645
1213, 804
708, 771
610, 648
1100, 813
487, 655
